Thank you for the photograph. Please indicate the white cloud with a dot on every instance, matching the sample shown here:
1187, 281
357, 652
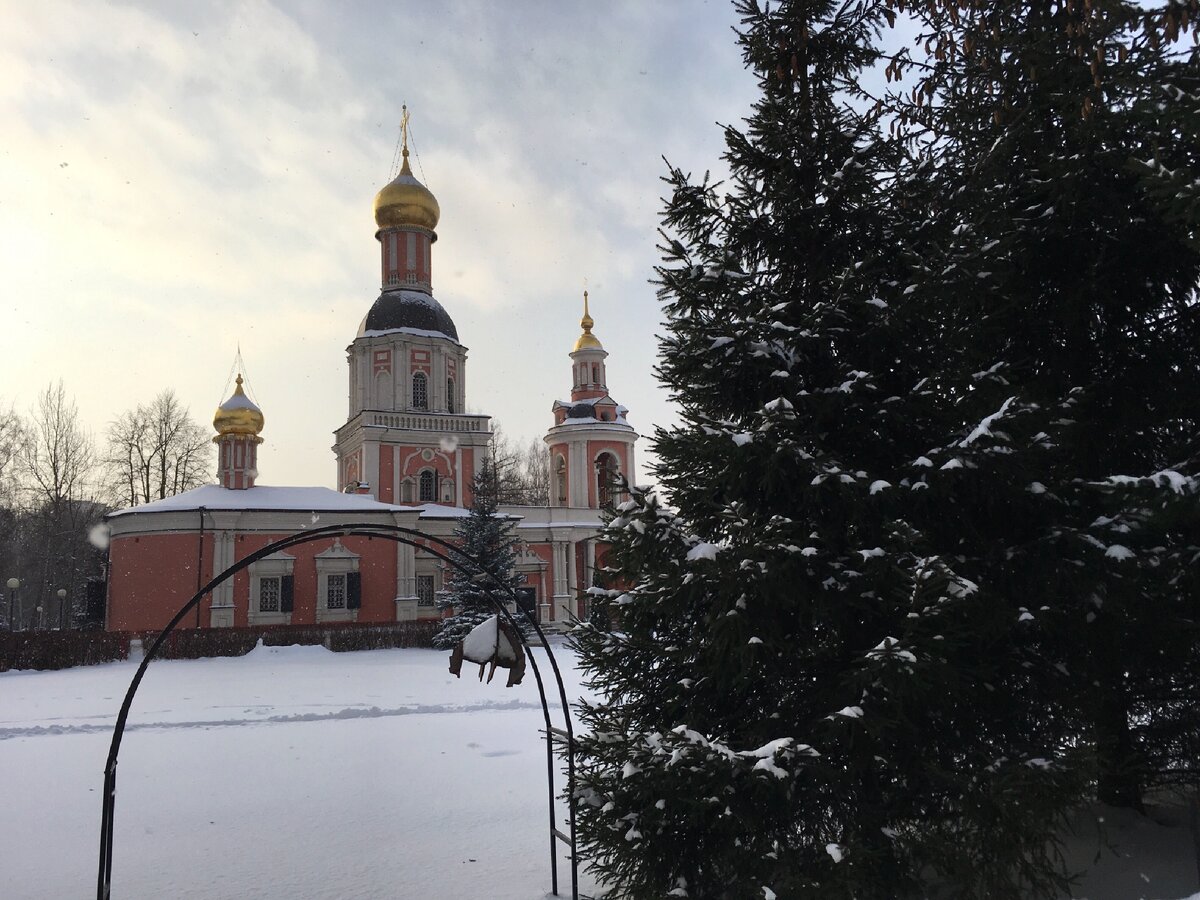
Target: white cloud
220, 162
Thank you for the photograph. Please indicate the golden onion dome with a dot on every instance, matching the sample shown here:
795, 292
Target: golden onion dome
587, 340
406, 203
238, 414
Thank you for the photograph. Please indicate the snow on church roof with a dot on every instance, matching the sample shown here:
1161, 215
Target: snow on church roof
288, 499
261, 497
411, 311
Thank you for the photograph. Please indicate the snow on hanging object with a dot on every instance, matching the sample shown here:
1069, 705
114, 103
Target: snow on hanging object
1119, 552
835, 852
491, 642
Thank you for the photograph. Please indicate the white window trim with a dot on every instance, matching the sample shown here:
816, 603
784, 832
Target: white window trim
274, 566
337, 560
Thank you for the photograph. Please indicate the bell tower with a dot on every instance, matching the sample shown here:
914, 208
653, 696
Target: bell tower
407, 438
591, 444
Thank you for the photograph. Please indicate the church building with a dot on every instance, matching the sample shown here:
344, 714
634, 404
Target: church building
405, 456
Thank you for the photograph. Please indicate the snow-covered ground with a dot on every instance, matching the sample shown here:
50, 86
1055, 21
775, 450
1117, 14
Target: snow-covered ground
288, 773
298, 773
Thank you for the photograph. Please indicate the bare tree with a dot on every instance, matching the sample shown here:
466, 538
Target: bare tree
12, 434
534, 462
57, 461
58, 455
522, 470
154, 451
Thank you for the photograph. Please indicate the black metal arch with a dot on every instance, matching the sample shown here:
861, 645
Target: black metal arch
449, 554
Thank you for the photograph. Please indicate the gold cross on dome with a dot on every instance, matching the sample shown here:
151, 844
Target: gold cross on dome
404, 127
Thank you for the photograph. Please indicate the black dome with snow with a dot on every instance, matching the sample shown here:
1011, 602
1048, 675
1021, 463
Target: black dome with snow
413, 310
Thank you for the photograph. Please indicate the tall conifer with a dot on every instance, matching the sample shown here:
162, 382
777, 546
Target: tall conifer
486, 537
1061, 258
807, 694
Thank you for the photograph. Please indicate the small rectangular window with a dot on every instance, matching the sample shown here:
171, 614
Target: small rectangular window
335, 592
420, 391
424, 590
268, 595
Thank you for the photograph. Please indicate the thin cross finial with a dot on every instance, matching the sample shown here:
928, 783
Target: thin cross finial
586, 322
404, 168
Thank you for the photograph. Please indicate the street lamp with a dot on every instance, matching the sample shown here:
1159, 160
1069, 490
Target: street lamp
13, 584
62, 609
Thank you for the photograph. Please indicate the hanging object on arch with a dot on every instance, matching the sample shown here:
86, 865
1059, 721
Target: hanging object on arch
491, 643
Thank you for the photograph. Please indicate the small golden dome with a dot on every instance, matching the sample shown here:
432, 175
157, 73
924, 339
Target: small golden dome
238, 414
587, 340
406, 203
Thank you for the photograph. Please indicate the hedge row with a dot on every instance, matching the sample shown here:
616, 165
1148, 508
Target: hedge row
64, 649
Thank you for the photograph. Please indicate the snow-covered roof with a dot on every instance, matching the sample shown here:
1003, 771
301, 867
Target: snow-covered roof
578, 420
591, 401
438, 511
404, 311
290, 499
416, 332
305, 499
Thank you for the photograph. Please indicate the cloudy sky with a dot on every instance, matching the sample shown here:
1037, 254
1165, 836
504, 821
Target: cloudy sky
179, 178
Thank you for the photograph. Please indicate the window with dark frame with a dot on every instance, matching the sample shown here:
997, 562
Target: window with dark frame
424, 590
606, 475
268, 594
428, 486
335, 592
420, 391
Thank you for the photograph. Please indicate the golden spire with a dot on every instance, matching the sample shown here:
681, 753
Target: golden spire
405, 202
404, 169
587, 340
238, 414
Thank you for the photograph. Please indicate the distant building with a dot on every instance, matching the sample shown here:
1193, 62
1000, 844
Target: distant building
405, 456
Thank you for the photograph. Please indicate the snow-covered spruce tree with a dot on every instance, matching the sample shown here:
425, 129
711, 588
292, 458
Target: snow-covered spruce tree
1061, 258
805, 696
486, 536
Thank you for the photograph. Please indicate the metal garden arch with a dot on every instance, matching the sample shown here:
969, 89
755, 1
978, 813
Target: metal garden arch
452, 556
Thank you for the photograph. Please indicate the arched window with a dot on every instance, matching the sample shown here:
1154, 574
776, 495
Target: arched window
449, 395
606, 477
595, 373
428, 486
420, 391
560, 480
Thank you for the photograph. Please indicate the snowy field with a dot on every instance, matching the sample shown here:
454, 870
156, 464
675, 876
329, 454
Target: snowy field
298, 773
288, 773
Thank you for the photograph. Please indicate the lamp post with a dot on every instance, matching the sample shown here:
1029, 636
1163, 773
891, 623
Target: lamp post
62, 609
13, 584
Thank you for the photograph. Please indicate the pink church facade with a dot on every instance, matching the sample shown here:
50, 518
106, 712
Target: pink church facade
405, 456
